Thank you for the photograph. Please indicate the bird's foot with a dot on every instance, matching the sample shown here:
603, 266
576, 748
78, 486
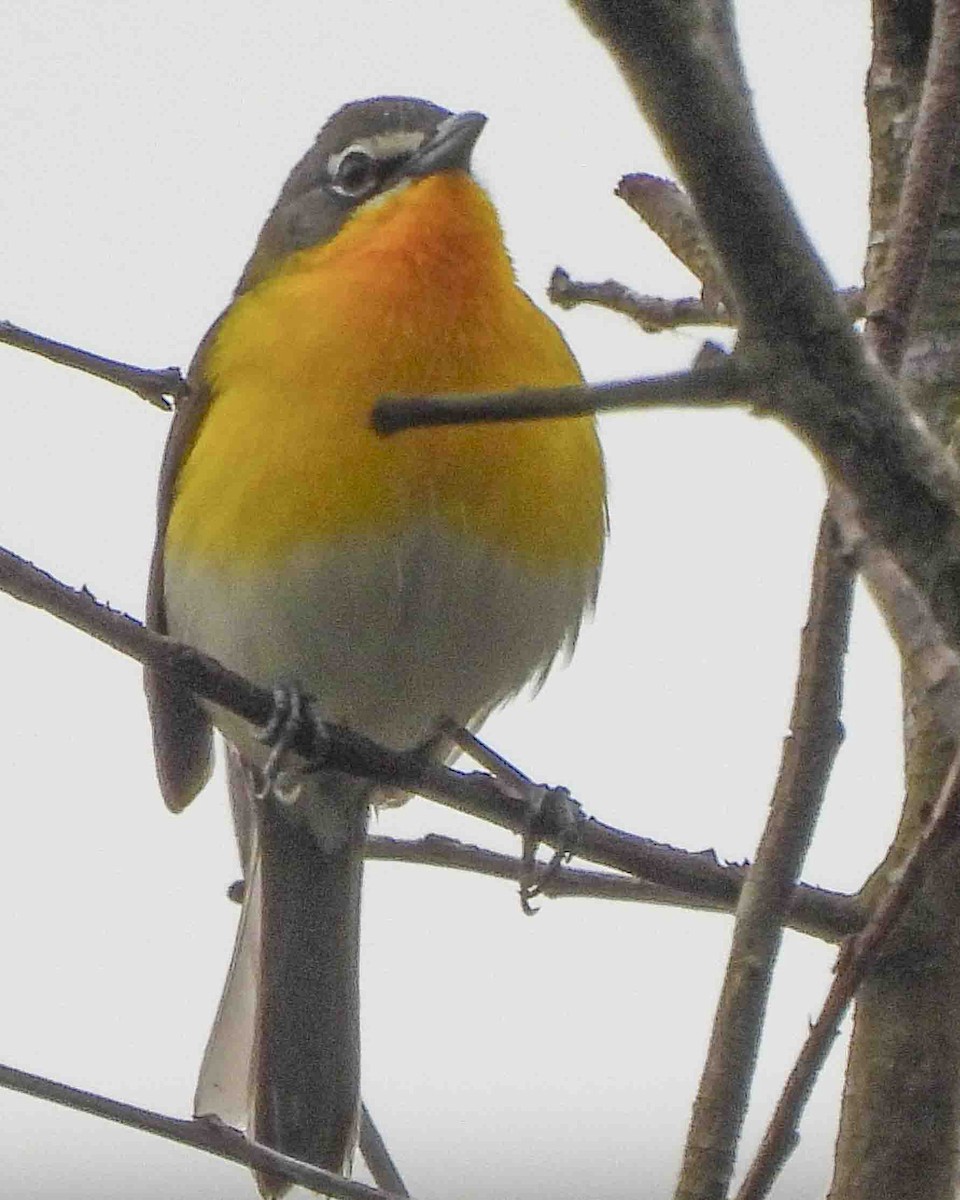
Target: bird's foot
552, 815
282, 731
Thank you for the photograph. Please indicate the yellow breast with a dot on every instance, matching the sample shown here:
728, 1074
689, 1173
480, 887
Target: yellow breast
415, 295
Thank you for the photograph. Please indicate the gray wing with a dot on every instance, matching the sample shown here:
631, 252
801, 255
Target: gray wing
182, 733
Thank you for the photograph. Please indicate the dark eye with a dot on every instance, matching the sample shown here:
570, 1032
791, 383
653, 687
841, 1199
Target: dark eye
355, 174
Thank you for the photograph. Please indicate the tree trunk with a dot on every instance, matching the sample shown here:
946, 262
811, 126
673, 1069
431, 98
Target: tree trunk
900, 1120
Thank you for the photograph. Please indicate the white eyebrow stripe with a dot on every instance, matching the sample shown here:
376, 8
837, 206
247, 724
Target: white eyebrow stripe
392, 145
381, 146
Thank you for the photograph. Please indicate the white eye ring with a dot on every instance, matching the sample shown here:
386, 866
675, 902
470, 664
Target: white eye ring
353, 172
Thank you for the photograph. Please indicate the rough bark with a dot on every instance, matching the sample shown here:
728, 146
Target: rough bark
900, 1120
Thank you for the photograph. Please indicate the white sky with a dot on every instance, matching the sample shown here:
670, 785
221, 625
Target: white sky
142, 145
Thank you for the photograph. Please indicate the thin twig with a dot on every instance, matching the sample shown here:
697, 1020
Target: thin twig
342, 749
209, 1136
808, 755
467, 742
670, 213
724, 383
653, 314
377, 1156
916, 521
154, 386
856, 959
815, 911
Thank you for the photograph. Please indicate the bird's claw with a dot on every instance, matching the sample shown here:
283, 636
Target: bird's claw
553, 815
280, 733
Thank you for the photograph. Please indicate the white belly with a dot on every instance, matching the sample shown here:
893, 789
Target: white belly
386, 636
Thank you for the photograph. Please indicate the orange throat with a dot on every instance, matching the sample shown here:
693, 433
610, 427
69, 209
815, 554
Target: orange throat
414, 295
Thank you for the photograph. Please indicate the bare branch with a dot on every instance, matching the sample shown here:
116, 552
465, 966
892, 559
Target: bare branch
343, 750
921, 641
907, 487
814, 911
206, 1135
856, 958
899, 1121
670, 213
808, 756
695, 102
653, 314
154, 386
917, 521
377, 1156
724, 383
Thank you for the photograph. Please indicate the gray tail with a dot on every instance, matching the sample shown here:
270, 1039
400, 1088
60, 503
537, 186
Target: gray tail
298, 1042
306, 1081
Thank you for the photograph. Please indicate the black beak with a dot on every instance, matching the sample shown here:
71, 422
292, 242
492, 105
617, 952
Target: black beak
450, 147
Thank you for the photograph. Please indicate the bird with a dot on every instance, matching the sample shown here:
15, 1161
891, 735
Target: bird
395, 583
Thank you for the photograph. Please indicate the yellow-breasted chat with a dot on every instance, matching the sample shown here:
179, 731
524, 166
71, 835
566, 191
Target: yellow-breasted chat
396, 581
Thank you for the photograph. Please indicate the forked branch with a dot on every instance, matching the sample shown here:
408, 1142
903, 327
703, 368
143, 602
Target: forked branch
343, 750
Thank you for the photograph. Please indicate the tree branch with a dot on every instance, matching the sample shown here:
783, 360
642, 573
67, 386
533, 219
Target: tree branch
808, 756
343, 750
154, 386
898, 1131
653, 314
377, 1157
727, 382
907, 488
914, 507
669, 212
858, 956
815, 911
206, 1135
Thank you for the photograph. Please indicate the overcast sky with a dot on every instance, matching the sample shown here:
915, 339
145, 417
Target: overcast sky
142, 145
